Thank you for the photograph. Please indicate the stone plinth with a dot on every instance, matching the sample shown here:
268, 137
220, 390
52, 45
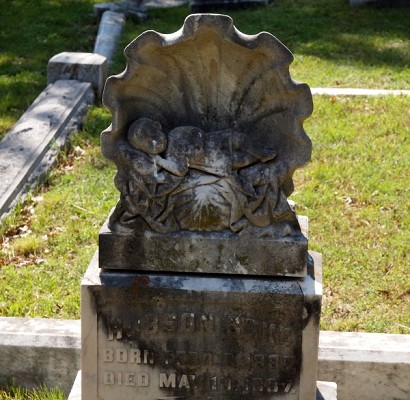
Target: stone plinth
152, 335
325, 390
83, 67
216, 252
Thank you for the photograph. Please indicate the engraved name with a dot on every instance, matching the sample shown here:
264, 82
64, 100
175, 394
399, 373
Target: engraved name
161, 323
189, 322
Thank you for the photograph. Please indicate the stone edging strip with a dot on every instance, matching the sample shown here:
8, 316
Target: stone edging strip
358, 92
109, 32
29, 144
366, 366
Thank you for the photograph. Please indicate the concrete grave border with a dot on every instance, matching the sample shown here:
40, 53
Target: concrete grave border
27, 151
365, 366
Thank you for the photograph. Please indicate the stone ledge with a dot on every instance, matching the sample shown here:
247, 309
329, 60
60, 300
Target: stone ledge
358, 92
202, 253
34, 351
365, 366
109, 32
31, 145
82, 67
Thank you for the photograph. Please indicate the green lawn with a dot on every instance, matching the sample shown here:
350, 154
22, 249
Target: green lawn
32, 31
334, 44
12, 392
355, 191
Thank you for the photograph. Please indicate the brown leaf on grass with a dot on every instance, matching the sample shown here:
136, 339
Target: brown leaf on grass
342, 309
385, 293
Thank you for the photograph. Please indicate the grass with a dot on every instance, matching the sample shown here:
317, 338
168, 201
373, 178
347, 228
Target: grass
12, 392
355, 191
334, 44
32, 32
356, 195
49, 240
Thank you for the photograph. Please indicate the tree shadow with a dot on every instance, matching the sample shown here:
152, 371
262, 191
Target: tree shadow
333, 30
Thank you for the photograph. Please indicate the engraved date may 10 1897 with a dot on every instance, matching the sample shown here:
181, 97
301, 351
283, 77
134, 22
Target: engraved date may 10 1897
190, 381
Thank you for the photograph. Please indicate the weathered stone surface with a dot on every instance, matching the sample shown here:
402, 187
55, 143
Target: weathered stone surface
109, 32
82, 67
326, 391
75, 393
368, 366
33, 353
220, 253
150, 335
359, 92
47, 121
131, 8
206, 134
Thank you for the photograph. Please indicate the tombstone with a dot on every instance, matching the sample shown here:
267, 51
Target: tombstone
204, 287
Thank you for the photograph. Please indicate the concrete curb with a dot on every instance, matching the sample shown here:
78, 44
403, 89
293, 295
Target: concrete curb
366, 366
358, 92
31, 146
109, 32
34, 351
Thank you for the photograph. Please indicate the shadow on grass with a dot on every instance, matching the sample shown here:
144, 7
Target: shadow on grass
335, 31
328, 29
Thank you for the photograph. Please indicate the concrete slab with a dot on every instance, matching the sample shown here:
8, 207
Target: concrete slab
366, 366
326, 391
42, 128
164, 3
35, 351
82, 67
358, 92
110, 29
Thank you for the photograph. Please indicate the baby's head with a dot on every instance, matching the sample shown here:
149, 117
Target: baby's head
146, 135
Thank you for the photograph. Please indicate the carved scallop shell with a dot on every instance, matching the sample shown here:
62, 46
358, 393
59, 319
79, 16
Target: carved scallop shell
211, 76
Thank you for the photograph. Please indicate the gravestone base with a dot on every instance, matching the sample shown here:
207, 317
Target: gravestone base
153, 335
191, 252
83, 67
324, 390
